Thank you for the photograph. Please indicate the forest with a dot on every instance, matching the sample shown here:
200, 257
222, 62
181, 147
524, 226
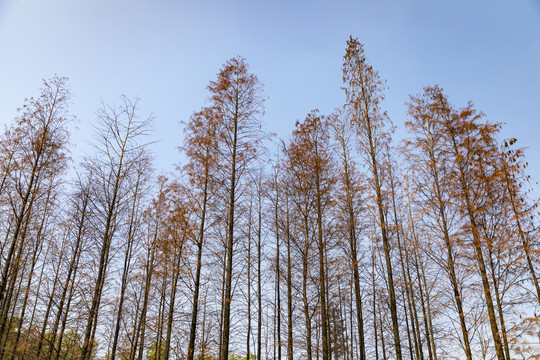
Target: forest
335, 243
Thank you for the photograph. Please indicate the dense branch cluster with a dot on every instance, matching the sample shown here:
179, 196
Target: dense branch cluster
337, 244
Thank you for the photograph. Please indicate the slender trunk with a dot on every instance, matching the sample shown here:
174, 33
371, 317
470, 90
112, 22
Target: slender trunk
305, 254
289, 288
407, 283
135, 337
10, 273
172, 300
470, 212
8, 302
141, 331
441, 207
382, 333
499, 304
248, 347
11, 265
406, 310
71, 274
35, 254
425, 316
487, 291
422, 279
422, 303
322, 276
354, 256
161, 317
116, 177
230, 243
102, 269
412, 305
127, 267
521, 233
352, 352
5, 242
25, 302
428, 302
46, 114
42, 336
306, 307
259, 277
374, 305
203, 330
71, 286
342, 320
385, 240
200, 243
278, 277
222, 303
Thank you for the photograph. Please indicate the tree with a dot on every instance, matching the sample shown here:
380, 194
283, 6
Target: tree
309, 160
178, 230
468, 144
512, 168
275, 196
34, 156
471, 143
200, 146
118, 150
431, 167
78, 229
132, 236
363, 90
351, 209
237, 101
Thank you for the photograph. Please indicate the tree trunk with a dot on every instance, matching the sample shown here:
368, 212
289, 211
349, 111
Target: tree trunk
465, 194
200, 244
127, 267
289, 286
230, 245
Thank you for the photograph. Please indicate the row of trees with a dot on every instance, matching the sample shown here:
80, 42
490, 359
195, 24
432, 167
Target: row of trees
337, 244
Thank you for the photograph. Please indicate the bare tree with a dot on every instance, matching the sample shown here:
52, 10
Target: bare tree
119, 148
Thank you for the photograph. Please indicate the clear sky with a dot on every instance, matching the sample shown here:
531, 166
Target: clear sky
167, 51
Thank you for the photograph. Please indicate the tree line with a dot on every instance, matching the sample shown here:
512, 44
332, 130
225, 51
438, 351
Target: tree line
335, 243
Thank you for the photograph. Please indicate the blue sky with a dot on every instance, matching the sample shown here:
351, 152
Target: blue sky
166, 52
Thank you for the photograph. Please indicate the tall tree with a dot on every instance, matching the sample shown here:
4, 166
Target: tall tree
309, 161
119, 147
469, 143
236, 97
363, 90
131, 236
200, 146
350, 183
78, 227
35, 156
276, 203
178, 230
430, 168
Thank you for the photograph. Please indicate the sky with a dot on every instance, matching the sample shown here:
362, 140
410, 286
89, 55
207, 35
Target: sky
167, 51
